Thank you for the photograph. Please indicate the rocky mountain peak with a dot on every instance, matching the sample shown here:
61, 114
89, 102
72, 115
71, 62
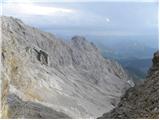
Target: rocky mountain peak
78, 38
71, 78
82, 44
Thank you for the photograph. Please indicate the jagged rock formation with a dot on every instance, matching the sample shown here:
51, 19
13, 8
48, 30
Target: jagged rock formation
141, 101
40, 70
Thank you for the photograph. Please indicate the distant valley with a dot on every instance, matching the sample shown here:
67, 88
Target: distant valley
134, 56
137, 68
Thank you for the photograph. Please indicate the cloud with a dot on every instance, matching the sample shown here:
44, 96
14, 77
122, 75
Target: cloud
66, 17
45, 15
29, 8
41, 10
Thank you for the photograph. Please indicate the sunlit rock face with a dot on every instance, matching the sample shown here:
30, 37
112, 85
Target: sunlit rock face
141, 101
43, 73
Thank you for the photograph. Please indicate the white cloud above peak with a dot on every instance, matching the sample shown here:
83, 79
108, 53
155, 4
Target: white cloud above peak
42, 10
30, 8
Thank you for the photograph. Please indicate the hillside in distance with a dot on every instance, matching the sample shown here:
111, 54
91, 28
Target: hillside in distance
134, 55
127, 47
136, 67
45, 77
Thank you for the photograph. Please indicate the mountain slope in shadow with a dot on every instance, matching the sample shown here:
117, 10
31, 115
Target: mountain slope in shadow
141, 101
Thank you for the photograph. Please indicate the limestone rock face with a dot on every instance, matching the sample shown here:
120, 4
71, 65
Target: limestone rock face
28, 109
141, 101
69, 80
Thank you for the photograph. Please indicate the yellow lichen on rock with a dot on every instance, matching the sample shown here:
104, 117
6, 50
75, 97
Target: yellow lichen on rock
4, 91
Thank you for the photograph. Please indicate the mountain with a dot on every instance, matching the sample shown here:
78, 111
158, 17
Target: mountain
134, 53
137, 68
127, 47
45, 77
141, 101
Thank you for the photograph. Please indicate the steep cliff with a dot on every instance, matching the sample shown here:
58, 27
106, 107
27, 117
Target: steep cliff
45, 77
141, 101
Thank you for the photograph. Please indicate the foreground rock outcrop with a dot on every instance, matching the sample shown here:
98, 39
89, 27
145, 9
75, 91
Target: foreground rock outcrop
45, 77
141, 101
28, 109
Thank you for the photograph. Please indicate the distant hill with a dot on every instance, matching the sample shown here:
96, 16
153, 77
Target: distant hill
138, 47
136, 67
127, 51
133, 54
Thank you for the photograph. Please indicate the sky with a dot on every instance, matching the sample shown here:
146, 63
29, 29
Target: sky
99, 18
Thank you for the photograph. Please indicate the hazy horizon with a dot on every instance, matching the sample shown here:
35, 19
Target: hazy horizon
97, 21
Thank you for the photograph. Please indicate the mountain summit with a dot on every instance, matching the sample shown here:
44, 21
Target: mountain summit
45, 77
